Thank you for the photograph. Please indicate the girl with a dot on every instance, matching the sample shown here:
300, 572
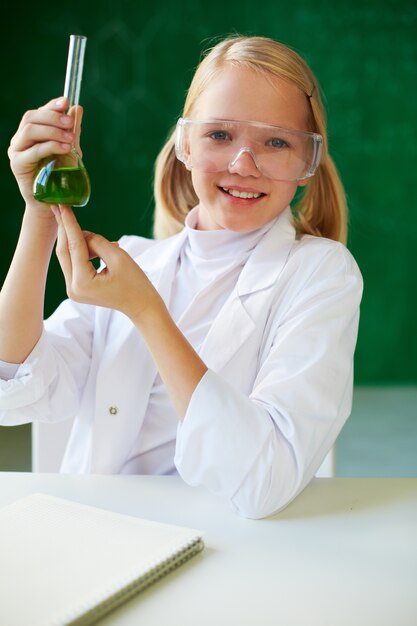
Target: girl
223, 351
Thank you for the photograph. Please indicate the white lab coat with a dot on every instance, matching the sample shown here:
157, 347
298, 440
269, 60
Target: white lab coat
278, 389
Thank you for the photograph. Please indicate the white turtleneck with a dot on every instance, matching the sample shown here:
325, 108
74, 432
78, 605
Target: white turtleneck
208, 266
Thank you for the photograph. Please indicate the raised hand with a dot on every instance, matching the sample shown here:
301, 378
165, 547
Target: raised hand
120, 284
42, 133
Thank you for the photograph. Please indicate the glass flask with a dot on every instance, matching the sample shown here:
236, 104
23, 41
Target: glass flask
63, 179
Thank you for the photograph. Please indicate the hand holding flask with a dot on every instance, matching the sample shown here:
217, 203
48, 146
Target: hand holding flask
63, 179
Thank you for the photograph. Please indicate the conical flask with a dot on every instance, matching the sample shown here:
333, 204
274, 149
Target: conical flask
63, 179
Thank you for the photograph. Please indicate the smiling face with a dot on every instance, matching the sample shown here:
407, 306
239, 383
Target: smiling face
239, 93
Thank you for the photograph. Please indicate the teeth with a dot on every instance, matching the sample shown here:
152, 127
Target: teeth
241, 194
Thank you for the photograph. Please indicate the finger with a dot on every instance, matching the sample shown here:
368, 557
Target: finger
61, 249
45, 140
26, 160
77, 245
47, 117
33, 133
56, 104
77, 112
108, 251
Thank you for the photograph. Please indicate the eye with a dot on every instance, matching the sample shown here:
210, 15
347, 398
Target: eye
219, 135
276, 142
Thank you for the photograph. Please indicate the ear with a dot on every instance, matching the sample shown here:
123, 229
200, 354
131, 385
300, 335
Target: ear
186, 154
186, 150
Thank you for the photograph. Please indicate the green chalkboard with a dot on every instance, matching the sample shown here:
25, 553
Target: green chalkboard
139, 61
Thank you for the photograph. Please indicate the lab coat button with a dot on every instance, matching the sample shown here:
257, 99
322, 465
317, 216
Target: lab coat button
113, 410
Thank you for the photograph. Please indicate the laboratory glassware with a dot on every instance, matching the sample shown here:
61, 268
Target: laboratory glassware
63, 179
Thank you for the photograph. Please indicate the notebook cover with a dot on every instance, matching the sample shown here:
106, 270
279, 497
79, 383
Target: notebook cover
64, 563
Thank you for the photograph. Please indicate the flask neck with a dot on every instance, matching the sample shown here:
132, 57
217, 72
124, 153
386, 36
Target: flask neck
74, 71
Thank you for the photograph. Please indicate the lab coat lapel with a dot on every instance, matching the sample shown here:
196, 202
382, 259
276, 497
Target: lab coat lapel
246, 306
124, 358
158, 263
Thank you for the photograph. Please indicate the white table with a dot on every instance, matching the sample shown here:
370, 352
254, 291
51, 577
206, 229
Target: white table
344, 553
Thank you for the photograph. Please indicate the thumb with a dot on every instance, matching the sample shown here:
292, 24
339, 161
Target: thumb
99, 246
77, 112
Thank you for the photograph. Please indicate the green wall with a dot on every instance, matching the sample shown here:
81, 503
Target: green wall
139, 61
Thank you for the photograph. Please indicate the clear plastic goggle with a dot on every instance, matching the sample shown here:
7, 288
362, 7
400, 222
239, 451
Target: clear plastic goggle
217, 145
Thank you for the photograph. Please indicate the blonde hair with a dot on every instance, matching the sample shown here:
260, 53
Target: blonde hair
321, 208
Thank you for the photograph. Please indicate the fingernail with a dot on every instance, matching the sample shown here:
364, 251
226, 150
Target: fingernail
60, 102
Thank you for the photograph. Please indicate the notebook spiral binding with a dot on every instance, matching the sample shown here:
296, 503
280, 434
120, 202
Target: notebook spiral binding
142, 582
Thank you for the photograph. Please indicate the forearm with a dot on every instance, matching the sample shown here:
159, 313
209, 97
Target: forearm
178, 364
23, 291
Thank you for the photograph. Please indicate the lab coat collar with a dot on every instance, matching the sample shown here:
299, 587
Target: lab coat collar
261, 270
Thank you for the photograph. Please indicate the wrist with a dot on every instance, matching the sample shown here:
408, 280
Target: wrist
145, 316
39, 213
43, 208
148, 318
39, 224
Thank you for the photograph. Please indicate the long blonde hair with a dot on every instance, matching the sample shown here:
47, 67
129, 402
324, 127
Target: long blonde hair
321, 208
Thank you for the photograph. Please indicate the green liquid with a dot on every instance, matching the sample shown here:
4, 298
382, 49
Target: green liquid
63, 185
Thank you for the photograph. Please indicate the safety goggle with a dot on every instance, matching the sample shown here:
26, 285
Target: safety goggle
217, 145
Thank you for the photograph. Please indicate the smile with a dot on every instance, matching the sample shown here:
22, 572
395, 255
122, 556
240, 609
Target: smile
242, 194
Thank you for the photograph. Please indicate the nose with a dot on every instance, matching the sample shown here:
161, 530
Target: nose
245, 163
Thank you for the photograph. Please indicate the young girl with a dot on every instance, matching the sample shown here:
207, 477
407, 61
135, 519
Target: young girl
225, 350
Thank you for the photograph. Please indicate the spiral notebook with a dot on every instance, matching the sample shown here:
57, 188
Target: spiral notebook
64, 563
